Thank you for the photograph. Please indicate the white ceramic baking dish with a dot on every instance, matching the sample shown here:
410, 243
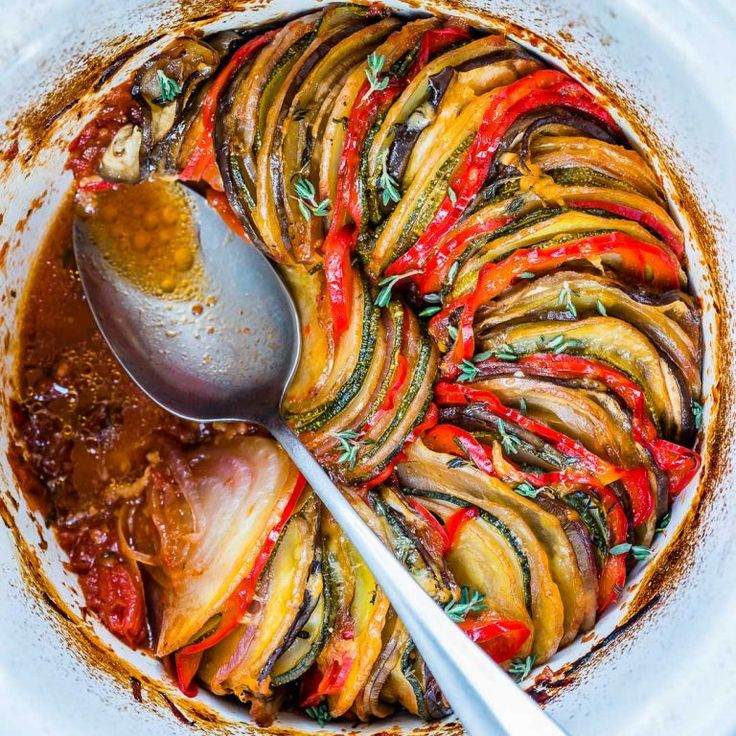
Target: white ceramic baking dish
664, 660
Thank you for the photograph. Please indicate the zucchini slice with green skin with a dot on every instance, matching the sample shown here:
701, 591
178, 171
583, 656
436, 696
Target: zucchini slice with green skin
297, 151
351, 365
595, 419
499, 555
615, 162
549, 297
475, 77
311, 627
272, 191
360, 609
241, 118
400, 524
612, 341
392, 49
414, 110
241, 663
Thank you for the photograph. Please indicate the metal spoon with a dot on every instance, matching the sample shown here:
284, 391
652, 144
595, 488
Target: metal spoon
233, 362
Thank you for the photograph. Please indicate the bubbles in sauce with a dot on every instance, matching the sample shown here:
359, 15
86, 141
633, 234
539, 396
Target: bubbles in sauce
150, 236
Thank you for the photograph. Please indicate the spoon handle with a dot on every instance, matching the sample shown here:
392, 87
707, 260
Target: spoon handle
482, 695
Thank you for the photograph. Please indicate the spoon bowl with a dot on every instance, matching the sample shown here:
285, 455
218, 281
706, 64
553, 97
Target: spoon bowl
225, 348
220, 350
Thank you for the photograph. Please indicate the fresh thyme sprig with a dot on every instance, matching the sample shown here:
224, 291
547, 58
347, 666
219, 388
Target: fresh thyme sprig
637, 552
389, 186
319, 713
505, 352
469, 603
306, 199
520, 667
468, 371
387, 284
509, 442
350, 442
375, 62
170, 88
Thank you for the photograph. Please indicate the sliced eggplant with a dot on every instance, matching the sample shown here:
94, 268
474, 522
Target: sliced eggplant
549, 297
611, 340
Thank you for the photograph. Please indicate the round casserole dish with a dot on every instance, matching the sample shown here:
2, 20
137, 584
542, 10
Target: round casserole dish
660, 661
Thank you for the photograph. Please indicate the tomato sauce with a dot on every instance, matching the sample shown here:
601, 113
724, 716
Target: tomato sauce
83, 432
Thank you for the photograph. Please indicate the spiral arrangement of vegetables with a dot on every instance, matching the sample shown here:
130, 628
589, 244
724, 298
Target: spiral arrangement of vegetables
501, 361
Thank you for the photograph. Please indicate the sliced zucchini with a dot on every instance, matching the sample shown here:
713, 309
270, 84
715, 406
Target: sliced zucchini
241, 664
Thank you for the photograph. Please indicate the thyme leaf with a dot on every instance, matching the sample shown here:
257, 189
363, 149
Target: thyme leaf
697, 414
170, 88
389, 186
468, 371
520, 667
430, 311
664, 522
319, 713
307, 202
637, 552
509, 442
387, 284
527, 489
350, 442
601, 308
456, 462
469, 603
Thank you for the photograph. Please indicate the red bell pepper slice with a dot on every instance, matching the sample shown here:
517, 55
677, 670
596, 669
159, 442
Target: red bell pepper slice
187, 658
202, 165
430, 420
635, 480
317, 685
439, 530
347, 209
543, 88
500, 638
218, 201
612, 576
638, 259
673, 239
457, 521
436, 264
455, 441
434, 41
400, 375
680, 463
